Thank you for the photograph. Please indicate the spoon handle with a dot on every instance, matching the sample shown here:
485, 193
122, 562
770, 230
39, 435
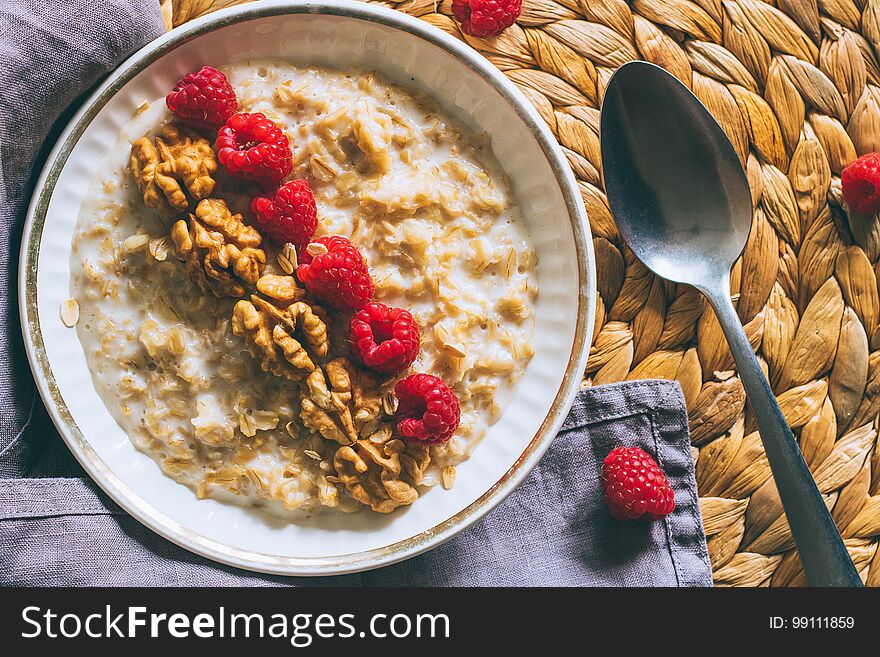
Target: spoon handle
822, 552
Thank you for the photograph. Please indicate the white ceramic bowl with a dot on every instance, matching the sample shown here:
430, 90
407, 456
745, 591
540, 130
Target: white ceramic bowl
473, 92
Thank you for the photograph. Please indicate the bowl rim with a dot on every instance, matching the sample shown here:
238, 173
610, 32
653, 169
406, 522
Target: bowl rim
127, 498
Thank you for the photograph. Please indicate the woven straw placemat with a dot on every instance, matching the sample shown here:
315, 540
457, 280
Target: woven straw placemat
796, 86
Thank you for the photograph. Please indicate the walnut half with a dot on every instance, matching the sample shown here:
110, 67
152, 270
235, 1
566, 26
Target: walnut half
340, 402
382, 473
285, 338
221, 253
178, 162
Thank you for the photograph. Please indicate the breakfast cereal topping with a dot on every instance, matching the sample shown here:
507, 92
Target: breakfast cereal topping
286, 341
178, 162
382, 474
334, 270
221, 253
384, 339
428, 410
289, 216
280, 288
203, 99
251, 147
340, 402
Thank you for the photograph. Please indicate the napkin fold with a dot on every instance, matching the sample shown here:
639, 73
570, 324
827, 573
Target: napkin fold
56, 528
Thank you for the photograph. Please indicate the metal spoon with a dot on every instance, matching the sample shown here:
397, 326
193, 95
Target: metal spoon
681, 201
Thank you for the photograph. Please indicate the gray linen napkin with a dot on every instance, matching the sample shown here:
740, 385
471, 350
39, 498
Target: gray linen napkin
57, 529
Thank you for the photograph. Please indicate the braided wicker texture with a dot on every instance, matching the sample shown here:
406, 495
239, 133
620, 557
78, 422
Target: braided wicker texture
796, 86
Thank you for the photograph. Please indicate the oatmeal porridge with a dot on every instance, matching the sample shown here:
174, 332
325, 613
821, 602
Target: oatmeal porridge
224, 364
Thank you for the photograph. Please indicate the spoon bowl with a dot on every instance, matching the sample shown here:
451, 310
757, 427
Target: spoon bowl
688, 205
681, 200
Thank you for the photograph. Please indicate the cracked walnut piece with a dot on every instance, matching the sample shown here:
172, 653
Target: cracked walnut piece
285, 339
340, 402
382, 474
220, 251
179, 162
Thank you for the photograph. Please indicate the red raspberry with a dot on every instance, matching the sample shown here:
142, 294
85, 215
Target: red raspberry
384, 339
291, 216
336, 273
428, 411
251, 147
861, 184
634, 485
203, 99
486, 18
